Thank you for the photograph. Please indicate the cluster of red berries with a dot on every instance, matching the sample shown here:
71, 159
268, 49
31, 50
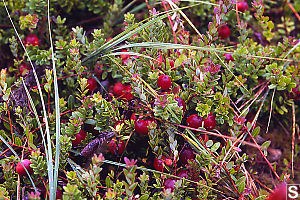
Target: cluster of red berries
91, 84
195, 121
224, 31
159, 164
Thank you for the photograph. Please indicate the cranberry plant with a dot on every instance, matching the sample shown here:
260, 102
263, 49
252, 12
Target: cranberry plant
150, 100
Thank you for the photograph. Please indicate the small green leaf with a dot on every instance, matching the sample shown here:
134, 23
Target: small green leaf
240, 180
270, 25
241, 187
256, 132
18, 141
266, 144
229, 165
209, 143
30, 138
215, 147
71, 102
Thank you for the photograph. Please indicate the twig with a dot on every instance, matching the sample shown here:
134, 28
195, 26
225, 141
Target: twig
293, 9
8, 123
269, 190
174, 34
263, 155
237, 14
18, 188
5, 26
216, 134
148, 6
87, 21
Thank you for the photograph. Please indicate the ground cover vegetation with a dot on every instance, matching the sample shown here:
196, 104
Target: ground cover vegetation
144, 99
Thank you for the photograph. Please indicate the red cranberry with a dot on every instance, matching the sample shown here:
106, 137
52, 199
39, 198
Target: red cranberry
24, 68
133, 117
141, 126
172, 63
295, 94
118, 88
127, 93
242, 6
194, 121
32, 39
97, 70
168, 161
159, 164
228, 57
182, 173
169, 183
79, 137
279, 193
210, 122
20, 169
185, 155
164, 82
91, 84
180, 102
123, 90
116, 146
124, 57
224, 31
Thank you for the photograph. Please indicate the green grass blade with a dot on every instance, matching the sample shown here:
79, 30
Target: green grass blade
127, 53
163, 45
122, 37
36, 116
49, 146
57, 114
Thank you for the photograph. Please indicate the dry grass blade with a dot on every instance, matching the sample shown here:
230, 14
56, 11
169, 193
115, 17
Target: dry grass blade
271, 107
253, 139
293, 137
